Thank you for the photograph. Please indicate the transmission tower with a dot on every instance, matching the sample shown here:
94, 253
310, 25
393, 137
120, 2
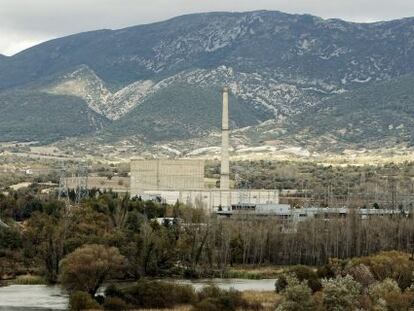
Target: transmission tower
81, 182
391, 179
63, 186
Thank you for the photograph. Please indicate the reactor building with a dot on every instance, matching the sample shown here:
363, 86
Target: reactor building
183, 179
159, 174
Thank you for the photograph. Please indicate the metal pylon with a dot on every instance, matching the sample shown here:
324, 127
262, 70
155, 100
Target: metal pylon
81, 182
63, 192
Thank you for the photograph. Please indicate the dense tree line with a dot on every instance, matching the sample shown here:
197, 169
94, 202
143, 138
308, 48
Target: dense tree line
43, 230
114, 237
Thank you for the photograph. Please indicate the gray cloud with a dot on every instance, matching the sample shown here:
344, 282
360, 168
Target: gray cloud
27, 22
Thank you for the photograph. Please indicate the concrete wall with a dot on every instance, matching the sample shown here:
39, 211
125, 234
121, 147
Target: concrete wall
212, 199
166, 175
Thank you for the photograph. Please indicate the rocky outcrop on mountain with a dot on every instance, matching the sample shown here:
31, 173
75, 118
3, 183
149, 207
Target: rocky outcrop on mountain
278, 66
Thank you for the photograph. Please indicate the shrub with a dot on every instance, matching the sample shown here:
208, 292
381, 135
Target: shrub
82, 301
154, 294
398, 301
99, 299
380, 290
340, 293
303, 273
183, 294
337, 266
362, 274
214, 298
191, 274
208, 304
280, 283
392, 264
211, 291
388, 293
325, 272
297, 296
113, 291
10, 238
115, 303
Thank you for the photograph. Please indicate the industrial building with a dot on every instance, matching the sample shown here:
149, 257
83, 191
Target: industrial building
288, 214
215, 199
183, 179
183, 174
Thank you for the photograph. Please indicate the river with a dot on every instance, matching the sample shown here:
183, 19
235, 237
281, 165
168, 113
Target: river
43, 297
32, 297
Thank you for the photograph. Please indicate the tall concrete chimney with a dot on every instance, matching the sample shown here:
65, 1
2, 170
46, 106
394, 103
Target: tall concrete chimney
225, 167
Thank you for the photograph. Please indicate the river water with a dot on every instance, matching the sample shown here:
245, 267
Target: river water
32, 297
42, 297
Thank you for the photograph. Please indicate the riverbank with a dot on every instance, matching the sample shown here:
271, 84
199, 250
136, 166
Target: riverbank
237, 272
30, 297
254, 272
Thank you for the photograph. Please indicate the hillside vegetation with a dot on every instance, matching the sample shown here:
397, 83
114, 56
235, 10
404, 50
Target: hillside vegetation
181, 111
32, 116
377, 114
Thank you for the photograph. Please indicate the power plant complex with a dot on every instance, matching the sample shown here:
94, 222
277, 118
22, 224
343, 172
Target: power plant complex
183, 179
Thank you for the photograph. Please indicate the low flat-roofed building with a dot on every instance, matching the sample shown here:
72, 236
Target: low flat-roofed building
295, 215
215, 199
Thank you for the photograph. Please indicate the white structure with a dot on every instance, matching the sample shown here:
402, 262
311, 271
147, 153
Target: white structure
295, 215
183, 180
216, 199
158, 175
225, 166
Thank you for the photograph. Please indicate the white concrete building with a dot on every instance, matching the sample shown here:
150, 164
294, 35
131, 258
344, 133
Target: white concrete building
180, 174
215, 199
183, 180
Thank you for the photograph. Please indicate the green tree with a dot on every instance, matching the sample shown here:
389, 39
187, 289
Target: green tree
387, 293
297, 296
89, 266
340, 293
44, 239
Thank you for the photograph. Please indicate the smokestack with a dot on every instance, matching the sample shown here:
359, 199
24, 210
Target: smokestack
225, 167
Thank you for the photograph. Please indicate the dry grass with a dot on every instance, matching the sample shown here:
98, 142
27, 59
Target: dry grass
177, 308
267, 299
29, 279
254, 272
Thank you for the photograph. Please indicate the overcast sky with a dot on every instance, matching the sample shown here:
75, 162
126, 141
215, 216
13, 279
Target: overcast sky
24, 23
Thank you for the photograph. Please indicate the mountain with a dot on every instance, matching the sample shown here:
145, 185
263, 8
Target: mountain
291, 46
376, 115
31, 116
181, 111
162, 81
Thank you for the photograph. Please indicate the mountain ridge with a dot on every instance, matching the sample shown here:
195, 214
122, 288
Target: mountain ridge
277, 66
95, 36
